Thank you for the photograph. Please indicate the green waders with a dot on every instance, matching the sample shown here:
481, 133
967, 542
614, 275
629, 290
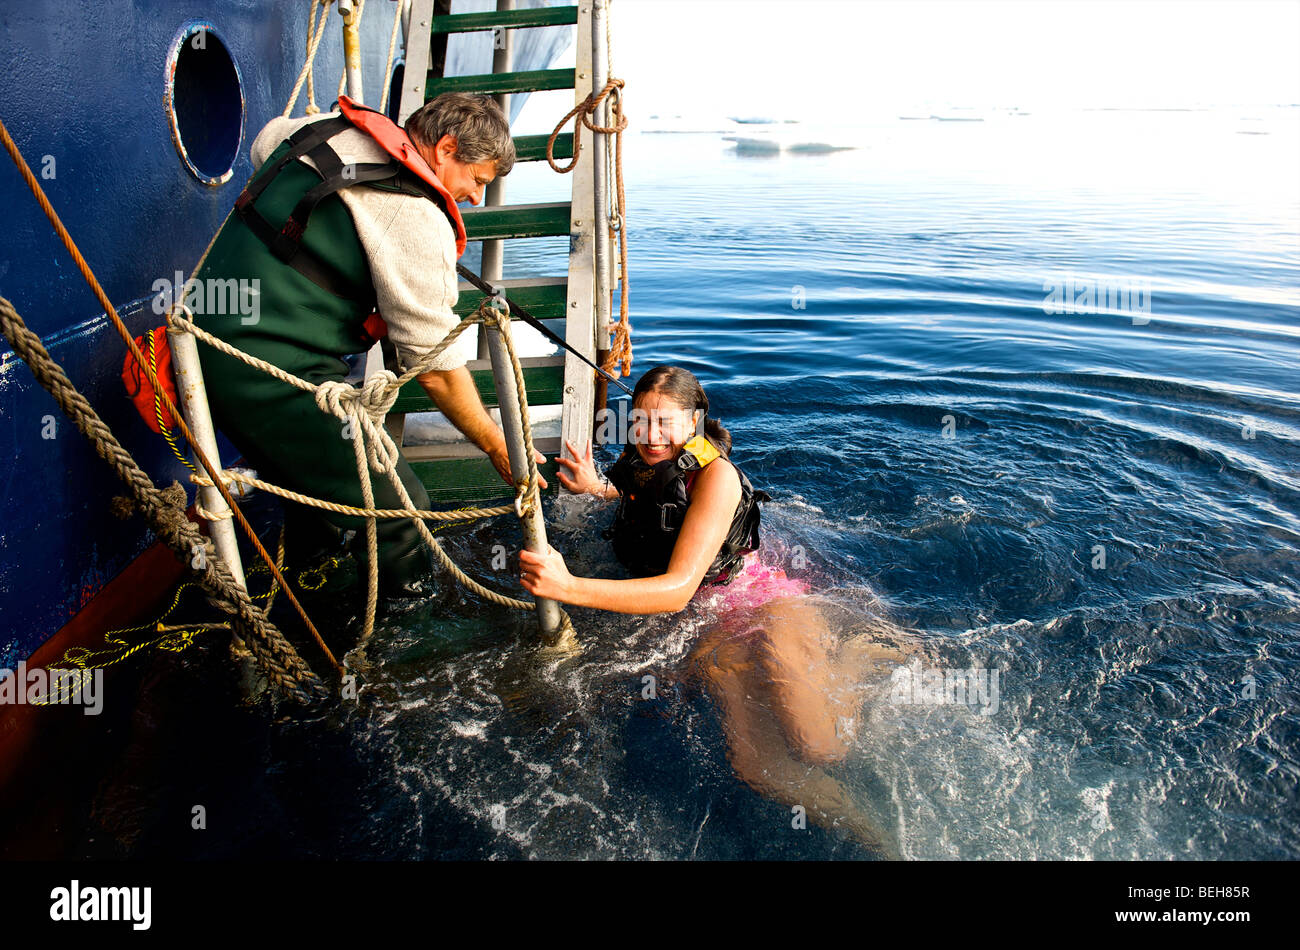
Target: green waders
299, 326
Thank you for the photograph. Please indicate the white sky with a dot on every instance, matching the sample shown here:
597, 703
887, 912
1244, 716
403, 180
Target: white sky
799, 58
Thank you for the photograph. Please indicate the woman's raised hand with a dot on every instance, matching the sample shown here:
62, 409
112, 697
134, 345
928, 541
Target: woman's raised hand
582, 475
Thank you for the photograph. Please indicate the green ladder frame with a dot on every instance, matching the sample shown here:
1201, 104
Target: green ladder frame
460, 472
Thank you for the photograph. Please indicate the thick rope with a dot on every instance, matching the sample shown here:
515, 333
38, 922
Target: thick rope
460, 514
372, 534
165, 512
392, 51
392, 384
314, 36
365, 408
200, 456
620, 351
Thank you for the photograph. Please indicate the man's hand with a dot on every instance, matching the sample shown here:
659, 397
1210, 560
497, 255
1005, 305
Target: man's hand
454, 392
500, 457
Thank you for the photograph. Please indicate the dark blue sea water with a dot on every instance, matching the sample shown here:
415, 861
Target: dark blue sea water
839, 308
1101, 505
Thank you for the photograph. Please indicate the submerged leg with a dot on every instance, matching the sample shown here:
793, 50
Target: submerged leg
877, 652
813, 698
731, 669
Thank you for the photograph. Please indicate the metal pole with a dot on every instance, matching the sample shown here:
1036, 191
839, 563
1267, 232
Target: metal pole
503, 53
374, 359
494, 251
419, 50
548, 611
394, 105
599, 167
352, 48
194, 405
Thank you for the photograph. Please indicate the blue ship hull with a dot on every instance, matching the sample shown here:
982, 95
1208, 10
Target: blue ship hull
86, 101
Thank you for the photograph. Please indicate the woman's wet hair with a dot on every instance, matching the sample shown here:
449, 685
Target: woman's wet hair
681, 386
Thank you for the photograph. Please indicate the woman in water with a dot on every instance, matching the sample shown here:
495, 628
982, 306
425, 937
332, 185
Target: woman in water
687, 523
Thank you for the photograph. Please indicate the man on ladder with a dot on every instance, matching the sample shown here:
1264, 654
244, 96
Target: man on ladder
351, 230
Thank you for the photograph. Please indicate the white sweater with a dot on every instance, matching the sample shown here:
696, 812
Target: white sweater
409, 243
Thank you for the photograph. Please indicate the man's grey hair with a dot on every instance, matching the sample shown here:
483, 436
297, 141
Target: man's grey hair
478, 125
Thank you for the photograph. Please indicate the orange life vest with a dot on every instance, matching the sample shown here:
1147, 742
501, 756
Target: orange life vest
394, 140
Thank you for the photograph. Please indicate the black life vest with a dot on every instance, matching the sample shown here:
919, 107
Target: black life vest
652, 507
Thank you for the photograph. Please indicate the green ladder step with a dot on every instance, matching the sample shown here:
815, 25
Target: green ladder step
512, 19
472, 480
517, 221
533, 80
544, 297
544, 386
532, 148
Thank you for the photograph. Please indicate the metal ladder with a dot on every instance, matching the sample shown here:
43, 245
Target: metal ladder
459, 472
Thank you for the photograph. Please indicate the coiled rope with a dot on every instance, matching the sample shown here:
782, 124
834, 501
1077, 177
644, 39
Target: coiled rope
315, 34
620, 351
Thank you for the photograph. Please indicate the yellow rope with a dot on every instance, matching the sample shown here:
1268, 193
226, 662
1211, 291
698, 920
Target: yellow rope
320, 574
165, 429
173, 638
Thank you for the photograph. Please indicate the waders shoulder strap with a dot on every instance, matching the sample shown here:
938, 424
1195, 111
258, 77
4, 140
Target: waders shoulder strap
285, 241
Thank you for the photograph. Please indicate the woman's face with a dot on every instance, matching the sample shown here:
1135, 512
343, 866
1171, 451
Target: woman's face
660, 427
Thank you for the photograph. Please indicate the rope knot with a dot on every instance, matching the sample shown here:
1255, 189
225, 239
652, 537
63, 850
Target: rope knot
493, 312
365, 408
337, 398
378, 393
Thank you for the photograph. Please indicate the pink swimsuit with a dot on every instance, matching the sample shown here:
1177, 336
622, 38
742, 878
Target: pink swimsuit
755, 585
